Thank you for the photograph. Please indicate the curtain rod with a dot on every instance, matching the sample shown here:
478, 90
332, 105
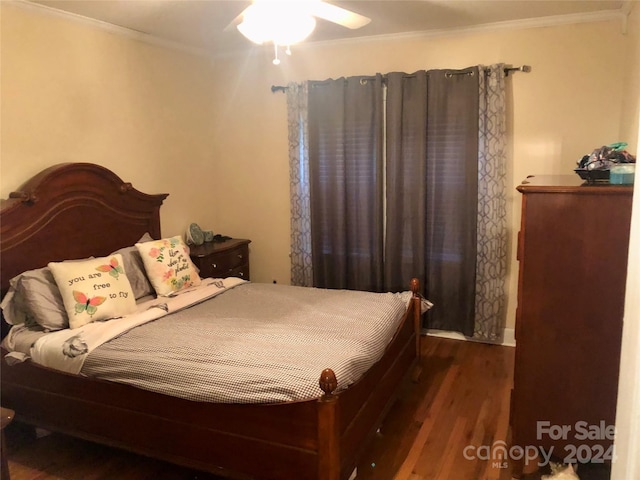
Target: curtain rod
522, 68
507, 71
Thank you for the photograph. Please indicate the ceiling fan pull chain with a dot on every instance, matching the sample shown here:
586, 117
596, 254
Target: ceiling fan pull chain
276, 60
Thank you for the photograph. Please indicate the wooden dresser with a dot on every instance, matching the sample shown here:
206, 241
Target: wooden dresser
222, 259
572, 249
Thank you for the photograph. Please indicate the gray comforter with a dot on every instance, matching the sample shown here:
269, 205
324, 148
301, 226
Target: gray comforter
255, 343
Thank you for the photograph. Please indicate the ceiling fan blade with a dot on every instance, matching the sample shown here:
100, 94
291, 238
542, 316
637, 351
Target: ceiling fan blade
339, 15
235, 22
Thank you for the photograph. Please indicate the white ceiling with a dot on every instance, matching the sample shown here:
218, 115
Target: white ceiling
200, 24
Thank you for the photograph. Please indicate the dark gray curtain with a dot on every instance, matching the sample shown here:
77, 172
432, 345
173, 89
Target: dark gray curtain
346, 180
432, 191
406, 134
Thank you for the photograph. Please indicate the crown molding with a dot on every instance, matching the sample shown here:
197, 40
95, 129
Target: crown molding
552, 21
627, 6
620, 15
109, 27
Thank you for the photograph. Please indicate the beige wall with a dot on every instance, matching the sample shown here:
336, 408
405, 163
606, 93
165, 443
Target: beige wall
630, 71
628, 408
215, 137
74, 93
567, 106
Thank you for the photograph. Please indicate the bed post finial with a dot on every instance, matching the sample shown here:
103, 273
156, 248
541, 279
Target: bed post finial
328, 381
328, 428
415, 286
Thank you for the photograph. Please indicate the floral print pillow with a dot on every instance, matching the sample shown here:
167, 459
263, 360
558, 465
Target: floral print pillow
168, 265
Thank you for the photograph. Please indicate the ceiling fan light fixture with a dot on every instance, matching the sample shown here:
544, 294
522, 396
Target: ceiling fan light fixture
295, 31
253, 32
281, 24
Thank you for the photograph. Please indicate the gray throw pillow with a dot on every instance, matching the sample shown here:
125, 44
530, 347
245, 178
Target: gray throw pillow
36, 292
134, 268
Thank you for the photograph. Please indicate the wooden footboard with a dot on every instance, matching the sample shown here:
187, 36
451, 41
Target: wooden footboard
358, 412
310, 439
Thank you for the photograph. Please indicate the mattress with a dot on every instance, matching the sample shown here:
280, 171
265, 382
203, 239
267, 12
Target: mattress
255, 343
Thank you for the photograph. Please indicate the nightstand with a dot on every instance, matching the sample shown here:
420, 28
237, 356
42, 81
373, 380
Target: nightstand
222, 259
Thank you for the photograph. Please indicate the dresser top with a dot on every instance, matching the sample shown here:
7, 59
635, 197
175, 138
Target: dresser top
569, 184
208, 248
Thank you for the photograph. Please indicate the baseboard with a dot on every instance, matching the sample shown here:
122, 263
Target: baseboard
508, 336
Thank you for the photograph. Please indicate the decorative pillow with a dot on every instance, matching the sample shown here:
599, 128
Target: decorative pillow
13, 310
34, 298
168, 265
96, 289
135, 269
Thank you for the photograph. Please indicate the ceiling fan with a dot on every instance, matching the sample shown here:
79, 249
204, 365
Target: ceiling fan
285, 23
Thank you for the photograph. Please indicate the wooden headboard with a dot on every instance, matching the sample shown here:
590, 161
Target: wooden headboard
69, 211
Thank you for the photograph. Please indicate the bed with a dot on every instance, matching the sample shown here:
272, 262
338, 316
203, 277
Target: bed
79, 210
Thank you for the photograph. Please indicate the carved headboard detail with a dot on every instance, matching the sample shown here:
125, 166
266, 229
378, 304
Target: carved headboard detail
72, 210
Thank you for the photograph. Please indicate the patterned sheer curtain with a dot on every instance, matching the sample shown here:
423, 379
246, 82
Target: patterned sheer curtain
297, 115
491, 263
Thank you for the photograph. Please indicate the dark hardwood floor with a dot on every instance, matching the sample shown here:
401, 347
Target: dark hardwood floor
460, 399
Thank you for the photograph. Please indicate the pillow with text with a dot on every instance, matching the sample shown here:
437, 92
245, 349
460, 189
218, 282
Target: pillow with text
96, 289
168, 265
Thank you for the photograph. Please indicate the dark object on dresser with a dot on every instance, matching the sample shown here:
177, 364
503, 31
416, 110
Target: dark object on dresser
593, 175
224, 259
572, 249
315, 439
